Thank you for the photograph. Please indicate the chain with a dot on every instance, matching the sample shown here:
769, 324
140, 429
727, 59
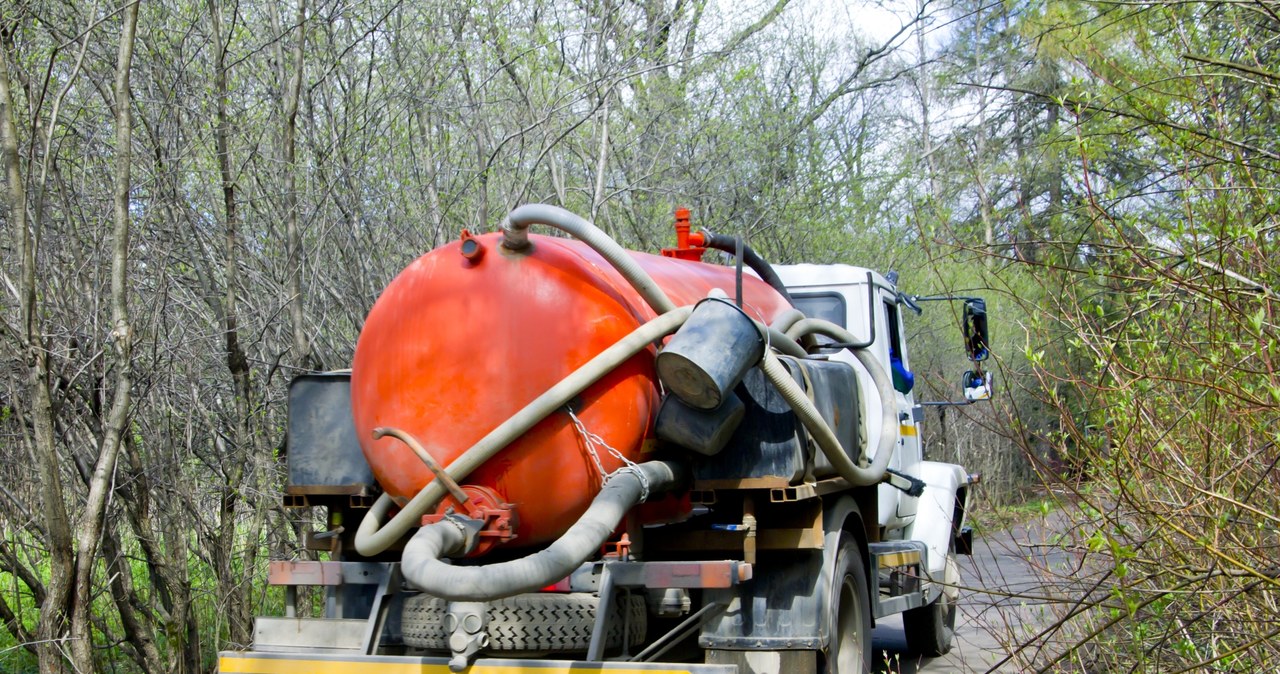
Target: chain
593, 441
760, 322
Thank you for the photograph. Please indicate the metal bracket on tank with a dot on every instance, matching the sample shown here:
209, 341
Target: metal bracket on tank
478, 503
499, 518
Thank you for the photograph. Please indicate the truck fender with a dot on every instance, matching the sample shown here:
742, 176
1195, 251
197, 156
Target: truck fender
843, 514
941, 511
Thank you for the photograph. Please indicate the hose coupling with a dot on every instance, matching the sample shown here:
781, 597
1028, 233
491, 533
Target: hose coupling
468, 527
514, 237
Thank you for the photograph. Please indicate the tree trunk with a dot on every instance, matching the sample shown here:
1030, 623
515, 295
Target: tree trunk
238, 458
89, 527
926, 103
50, 629
292, 90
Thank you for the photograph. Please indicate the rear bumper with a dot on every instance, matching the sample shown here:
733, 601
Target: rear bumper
308, 663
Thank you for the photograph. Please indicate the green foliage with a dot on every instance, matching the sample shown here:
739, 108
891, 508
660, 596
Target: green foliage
1165, 307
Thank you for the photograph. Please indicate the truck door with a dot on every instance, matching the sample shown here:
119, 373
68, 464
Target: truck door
910, 451
846, 305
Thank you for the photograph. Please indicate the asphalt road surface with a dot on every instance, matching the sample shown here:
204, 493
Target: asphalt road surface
991, 624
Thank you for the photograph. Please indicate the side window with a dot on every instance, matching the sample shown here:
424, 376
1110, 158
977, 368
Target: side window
895, 332
903, 379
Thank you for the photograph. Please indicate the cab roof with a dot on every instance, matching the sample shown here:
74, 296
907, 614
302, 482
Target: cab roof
812, 275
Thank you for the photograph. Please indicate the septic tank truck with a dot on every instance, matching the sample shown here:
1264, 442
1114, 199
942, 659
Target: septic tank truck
553, 454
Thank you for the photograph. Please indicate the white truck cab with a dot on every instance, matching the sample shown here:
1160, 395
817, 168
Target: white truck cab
840, 293
870, 306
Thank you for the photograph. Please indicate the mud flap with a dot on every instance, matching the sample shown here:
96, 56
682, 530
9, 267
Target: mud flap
778, 610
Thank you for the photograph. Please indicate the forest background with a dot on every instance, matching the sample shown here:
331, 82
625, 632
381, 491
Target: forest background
203, 199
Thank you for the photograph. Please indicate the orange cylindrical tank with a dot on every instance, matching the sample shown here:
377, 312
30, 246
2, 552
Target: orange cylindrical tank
470, 333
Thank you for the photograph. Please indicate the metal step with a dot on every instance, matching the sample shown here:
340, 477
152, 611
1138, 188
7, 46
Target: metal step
313, 661
308, 635
899, 567
382, 581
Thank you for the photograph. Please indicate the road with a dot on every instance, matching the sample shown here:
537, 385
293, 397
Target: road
991, 622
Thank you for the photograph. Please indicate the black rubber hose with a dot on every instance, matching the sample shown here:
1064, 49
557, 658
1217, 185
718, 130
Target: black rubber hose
762, 268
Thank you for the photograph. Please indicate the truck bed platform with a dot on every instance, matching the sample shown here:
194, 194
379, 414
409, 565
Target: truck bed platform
312, 663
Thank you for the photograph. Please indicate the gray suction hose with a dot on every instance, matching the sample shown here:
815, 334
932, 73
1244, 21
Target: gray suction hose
811, 326
372, 537
786, 319
780, 341
515, 236
812, 419
424, 567
783, 322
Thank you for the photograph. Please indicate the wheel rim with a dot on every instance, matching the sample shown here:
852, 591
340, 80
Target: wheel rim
850, 630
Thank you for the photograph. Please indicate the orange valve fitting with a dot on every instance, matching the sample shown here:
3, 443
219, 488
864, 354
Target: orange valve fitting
689, 246
470, 247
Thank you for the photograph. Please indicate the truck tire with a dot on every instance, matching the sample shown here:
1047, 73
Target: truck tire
930, 629
849, 651
528, 623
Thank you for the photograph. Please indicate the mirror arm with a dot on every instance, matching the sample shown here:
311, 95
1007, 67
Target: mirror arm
942, 298
948, 403
910, 302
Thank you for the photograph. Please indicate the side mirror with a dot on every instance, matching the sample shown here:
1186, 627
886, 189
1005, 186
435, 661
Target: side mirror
976, 383
977, 386
976, 338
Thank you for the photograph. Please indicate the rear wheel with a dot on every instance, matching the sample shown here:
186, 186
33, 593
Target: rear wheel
849, 651
930, 629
